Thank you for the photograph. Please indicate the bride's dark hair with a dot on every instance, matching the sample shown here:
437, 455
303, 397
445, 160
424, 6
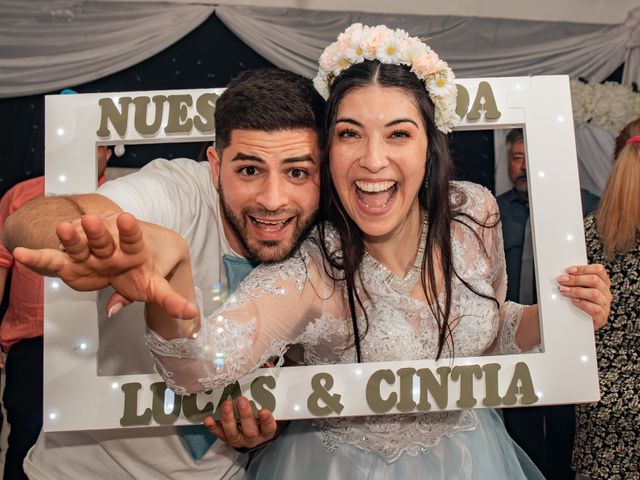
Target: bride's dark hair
434, 196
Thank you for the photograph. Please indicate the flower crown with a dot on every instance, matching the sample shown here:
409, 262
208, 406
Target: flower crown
359, 43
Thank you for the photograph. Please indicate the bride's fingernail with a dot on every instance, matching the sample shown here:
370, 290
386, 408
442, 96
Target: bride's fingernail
115, 309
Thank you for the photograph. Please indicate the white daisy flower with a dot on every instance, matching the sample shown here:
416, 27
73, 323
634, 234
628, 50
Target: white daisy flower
354, 53
389, 50
340, 62
439, 85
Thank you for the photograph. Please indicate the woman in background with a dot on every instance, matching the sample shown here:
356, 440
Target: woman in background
607, 444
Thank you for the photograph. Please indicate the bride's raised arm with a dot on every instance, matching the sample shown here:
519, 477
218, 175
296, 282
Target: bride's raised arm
586, 286
269, 311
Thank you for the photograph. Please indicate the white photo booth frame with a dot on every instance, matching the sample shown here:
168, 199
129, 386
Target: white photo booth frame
75, 398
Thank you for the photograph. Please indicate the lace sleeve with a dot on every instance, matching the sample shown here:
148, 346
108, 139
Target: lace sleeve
510, 313
268, 311
510, 316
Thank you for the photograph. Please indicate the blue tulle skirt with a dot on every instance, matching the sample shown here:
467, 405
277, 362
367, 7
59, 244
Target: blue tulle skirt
485, 453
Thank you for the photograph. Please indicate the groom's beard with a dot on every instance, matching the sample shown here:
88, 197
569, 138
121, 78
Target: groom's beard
297, 227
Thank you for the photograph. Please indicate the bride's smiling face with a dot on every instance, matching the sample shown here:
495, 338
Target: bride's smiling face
378, 158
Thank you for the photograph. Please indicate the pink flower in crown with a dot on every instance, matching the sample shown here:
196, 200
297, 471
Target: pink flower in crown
342, 44
380, 33
426, 64
353, 30
349, 36
332, 60
327, 60
413, 54
406, 50
351, 45
343, 38
405, 41
374, 38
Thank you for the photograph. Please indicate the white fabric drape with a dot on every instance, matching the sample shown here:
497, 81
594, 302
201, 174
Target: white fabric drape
632, 58
47, 45
595, 147
474, 47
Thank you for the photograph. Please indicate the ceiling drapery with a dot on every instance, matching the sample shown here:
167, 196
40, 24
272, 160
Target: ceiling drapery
474, 47
48, 45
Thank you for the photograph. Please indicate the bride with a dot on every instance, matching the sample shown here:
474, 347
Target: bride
408, 265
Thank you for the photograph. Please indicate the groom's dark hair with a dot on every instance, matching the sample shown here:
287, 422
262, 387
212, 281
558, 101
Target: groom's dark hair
268, 100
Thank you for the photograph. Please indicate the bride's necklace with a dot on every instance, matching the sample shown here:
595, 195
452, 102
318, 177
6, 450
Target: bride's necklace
403, 286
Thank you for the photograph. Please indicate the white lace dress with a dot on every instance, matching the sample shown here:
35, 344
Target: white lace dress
294, 302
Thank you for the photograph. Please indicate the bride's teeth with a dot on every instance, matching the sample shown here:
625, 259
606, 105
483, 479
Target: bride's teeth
374, 186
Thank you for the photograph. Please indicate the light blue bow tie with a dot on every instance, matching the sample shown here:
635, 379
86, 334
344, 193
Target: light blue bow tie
236, 269
197, 437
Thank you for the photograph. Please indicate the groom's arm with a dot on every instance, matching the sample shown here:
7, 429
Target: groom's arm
34, 224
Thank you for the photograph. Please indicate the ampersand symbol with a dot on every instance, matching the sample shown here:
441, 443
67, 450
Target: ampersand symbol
321, 384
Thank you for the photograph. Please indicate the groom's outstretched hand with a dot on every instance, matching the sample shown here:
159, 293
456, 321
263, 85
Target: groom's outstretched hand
134, 257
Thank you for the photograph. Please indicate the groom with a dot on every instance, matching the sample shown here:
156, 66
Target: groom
253, 200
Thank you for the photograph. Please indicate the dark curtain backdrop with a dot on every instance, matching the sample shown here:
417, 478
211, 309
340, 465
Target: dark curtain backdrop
208, 57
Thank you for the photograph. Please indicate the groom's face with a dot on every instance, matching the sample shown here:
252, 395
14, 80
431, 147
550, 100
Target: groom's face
269, 187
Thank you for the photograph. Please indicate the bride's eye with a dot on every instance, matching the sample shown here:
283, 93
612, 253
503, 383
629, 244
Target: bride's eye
348, 133
400, 134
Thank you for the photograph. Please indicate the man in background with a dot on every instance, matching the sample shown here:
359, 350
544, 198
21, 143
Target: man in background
544, 433
21, 333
